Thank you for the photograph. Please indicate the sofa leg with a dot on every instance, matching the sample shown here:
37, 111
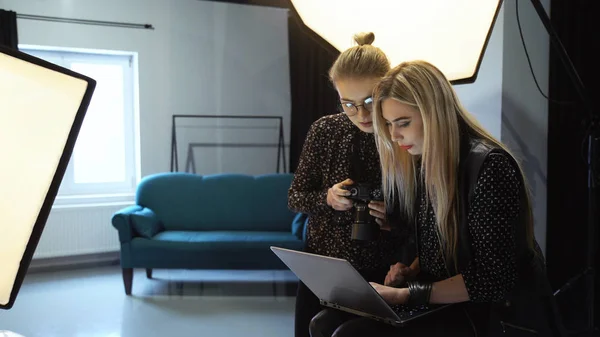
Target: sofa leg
127, 279
148, 272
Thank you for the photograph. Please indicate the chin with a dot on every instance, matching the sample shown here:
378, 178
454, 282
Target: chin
367, 130
414, 152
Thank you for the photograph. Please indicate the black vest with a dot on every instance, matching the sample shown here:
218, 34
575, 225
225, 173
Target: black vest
530, 308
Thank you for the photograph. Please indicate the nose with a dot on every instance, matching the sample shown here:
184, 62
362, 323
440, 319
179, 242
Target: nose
363, 113
395, 133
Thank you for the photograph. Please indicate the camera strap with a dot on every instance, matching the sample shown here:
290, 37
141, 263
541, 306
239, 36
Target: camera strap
356, 171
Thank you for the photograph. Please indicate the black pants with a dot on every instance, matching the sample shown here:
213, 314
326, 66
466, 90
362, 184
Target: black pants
335, 323
308, 305
331, 322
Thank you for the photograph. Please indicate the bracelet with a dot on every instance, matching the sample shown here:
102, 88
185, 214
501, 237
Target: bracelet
419, 293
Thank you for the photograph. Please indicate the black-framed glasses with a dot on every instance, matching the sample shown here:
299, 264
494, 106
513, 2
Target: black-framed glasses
351, 109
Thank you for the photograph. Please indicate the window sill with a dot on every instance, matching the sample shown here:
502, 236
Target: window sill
94, 200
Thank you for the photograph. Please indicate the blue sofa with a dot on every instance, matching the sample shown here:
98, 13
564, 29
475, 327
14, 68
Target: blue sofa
221, 221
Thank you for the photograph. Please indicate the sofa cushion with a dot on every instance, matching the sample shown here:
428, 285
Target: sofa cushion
218, 202
227, 239
146, 223
214, 250
270, 202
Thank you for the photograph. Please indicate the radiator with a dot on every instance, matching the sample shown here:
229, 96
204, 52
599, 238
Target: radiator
79, 230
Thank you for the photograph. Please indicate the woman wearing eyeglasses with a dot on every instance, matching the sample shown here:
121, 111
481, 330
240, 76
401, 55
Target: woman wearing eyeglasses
340, 150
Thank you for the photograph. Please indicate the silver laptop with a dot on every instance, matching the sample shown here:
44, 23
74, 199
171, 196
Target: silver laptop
338, 285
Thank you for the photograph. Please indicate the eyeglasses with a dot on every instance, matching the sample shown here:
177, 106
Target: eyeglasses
351, 109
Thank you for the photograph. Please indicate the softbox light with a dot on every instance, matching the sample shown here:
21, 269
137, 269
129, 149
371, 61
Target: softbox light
451, 34
42, 107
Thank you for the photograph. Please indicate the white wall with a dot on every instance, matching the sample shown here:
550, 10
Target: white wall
524, 109
483, 98
202, 58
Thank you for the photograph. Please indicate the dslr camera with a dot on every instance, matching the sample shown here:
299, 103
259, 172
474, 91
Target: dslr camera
364, 227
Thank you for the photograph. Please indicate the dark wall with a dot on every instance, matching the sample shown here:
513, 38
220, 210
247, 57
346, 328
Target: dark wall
576, 22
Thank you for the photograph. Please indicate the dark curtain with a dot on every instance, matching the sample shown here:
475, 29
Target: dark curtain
577, 24
313, 95
8, 29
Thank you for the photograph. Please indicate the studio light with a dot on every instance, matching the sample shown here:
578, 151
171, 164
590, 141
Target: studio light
452, 34
42, 107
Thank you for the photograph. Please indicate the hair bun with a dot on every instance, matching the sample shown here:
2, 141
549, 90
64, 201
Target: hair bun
364, 38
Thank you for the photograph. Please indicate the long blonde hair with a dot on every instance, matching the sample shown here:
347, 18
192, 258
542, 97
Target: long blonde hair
361, 61
424, 87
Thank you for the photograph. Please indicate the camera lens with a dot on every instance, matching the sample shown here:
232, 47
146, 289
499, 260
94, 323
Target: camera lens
364, 227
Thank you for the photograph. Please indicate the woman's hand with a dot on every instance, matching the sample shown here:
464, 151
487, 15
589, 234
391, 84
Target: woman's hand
336, 196
391, 295
377, 210
399, 274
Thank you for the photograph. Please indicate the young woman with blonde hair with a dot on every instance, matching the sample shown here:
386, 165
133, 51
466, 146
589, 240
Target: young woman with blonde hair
467, 199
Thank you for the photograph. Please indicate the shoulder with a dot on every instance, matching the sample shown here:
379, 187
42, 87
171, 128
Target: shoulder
499, 174
330, 122
500, 163
489, 165
330, 127
482, 155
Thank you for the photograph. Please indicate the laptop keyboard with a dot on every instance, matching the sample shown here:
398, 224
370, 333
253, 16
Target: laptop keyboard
405, 311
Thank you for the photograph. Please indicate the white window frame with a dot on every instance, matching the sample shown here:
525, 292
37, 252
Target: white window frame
71, 193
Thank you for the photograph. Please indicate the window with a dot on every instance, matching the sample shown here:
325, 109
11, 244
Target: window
104, 159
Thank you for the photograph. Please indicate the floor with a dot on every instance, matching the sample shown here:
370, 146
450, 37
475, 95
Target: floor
92, 303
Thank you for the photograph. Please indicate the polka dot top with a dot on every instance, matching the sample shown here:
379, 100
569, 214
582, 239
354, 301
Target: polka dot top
493, 211
325, 161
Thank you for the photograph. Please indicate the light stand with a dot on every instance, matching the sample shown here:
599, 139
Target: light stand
592, 157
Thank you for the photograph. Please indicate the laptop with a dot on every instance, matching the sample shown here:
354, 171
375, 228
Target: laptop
338, 285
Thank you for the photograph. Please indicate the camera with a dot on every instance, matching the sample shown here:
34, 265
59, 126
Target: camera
364, 227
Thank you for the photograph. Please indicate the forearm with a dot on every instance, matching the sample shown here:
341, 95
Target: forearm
415, 264
450, 290
309, 202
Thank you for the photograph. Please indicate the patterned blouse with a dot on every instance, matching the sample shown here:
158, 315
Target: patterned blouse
325, 161
492, 272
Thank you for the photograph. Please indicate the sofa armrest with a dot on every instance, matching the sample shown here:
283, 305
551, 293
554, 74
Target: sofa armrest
305, 230
299, 225
121, 220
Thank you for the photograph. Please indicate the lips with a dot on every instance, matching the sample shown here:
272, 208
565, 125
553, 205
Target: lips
366, 123
406, 147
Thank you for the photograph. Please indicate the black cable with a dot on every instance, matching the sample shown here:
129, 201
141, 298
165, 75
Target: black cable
589, 128
583, 151
529, 61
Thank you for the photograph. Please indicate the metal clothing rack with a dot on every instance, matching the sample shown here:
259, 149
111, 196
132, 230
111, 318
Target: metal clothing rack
190, 164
